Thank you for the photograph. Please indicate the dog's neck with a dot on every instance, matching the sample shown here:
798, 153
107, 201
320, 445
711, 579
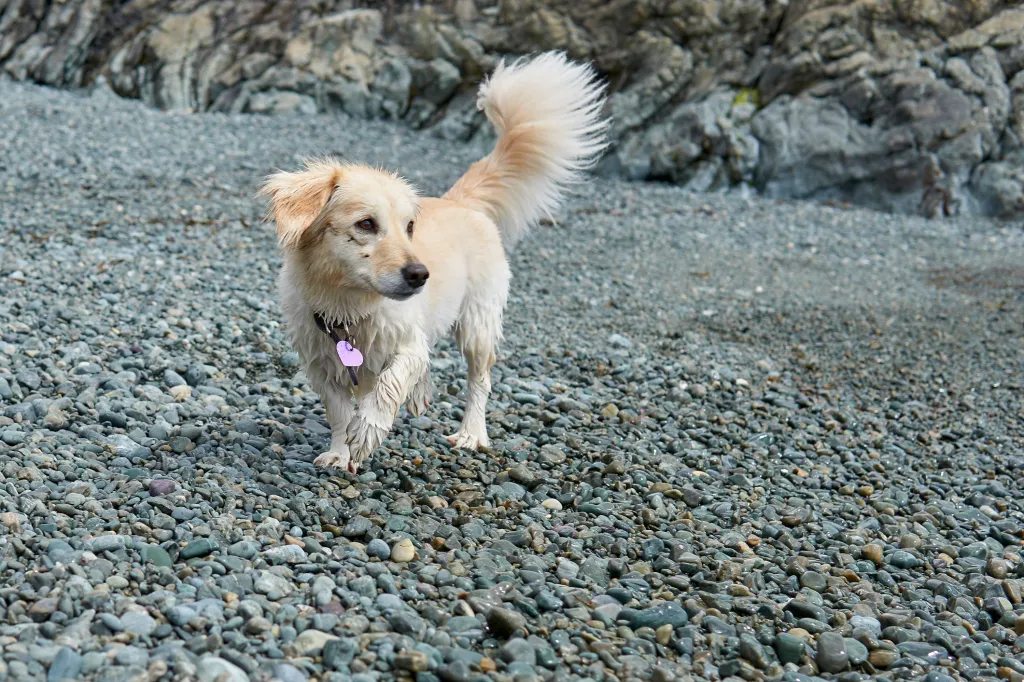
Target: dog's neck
341, 311
337, 303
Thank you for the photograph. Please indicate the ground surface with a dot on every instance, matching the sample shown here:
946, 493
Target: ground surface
732, 438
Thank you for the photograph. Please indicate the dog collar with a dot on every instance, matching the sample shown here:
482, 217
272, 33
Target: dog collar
349, 355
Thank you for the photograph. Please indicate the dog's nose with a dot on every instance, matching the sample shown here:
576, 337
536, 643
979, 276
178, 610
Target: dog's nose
415, 275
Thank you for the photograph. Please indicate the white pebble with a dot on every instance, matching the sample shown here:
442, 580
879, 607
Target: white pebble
403, 552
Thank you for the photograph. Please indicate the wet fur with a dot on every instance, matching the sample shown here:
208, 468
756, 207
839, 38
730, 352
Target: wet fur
547, 111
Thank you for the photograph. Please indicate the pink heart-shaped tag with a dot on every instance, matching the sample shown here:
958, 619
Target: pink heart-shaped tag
350, 355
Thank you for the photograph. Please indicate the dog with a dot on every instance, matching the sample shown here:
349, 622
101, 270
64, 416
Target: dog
373, 275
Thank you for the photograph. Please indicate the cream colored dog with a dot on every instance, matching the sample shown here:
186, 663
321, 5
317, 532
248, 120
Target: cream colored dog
372, 270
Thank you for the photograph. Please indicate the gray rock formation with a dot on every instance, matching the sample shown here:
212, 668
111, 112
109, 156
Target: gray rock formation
903, 105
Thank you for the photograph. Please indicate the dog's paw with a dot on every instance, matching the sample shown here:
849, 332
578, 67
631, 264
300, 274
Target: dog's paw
465, 440
362, 438
420, 396
334, 460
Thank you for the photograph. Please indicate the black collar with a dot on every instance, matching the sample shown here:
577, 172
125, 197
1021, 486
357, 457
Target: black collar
324, 326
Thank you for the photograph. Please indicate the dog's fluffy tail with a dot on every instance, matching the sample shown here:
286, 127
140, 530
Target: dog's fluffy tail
547, 112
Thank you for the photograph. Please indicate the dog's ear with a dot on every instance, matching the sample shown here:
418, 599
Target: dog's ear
296, 199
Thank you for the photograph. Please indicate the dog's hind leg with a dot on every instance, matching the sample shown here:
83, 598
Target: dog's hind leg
478, 333
472, 434
421, 394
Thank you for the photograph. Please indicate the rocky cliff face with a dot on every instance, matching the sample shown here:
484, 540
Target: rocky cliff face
904, 105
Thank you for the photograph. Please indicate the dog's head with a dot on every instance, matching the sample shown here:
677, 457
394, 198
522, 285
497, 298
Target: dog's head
352, 224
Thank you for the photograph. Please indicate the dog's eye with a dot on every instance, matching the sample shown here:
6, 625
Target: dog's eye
408, 228
367, 224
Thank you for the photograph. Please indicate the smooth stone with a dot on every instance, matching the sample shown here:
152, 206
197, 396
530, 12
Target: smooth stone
106, 543
504, 623
872, 625
285, 554
408, 623
403, 551
93, 661
666, 613
244, 549
161, 486
199, 548
131, 655
872, 553
340, 652
814, 581
903, 559
753, 651
882, 658
923, 651
413, 661
66, 665
286, 672
789, 648
518, 650
311, 641
856, 652
832, 655
273, 586
378, 548
456, 671
141, 624
212, 668
804, 609
156, 555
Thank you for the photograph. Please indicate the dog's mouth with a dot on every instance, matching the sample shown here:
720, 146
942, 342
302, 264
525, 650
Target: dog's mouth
401, 295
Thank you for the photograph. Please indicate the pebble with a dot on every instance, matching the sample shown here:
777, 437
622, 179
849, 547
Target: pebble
180, 393
66, 665
882, 658
856, 652
379, 549
403, 551
505, 623
106, 543
832, 653
997, 568
911, 541
131, 655
312, 641
273, 586
518, 651
789, 648
286, 672
198, 548
161, 486
414, 661
872, 552
902, 559
339, 652
752, 650
158, 556
140, 624
924, 651
814, 581
211, 668
869, 623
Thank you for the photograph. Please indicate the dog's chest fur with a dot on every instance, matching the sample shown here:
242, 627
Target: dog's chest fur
378, 330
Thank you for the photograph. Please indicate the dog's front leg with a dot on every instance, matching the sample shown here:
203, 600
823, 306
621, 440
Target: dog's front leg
377, 409
338, 404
